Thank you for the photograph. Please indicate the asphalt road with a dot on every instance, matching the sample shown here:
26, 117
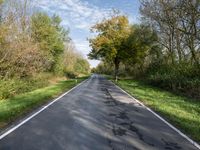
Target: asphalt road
95, 116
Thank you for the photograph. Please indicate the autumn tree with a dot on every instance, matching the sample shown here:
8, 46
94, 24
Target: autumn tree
19, 55
34, 47
108, 45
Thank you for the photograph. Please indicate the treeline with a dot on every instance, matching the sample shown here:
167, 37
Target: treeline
34, 47
163, 50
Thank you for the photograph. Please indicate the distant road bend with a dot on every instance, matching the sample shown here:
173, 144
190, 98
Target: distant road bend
95, 116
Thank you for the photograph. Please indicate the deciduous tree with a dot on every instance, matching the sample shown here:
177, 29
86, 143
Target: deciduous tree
108, 44
47, 32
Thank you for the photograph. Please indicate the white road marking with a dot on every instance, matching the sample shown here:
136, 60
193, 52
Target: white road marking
39, 111
158, 116
44, 107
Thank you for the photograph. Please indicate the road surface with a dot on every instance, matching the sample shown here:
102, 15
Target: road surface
95, 116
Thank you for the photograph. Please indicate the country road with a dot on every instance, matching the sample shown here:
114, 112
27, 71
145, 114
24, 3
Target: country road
95, 116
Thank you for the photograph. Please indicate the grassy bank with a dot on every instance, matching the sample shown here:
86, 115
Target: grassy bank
182, 112
15, 107
14, 86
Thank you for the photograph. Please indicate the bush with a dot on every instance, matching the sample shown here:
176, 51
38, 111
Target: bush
15, 86
71, 74
183, 78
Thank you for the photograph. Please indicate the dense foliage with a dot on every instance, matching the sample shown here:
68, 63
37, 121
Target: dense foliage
176, 24
163, 50
109, 44
34, 48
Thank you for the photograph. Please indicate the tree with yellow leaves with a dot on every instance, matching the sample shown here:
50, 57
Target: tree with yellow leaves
108, 45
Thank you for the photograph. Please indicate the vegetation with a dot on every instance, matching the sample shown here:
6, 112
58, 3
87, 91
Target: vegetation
74, 64
181, 111
13, 108
177, 67
36, 53
14, 86
161, 54
33, 49
109, 44
163, 50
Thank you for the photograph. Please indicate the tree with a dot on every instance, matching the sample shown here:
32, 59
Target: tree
141, 43
82, 66
1, 2
47, 32
177, 24
73, 63
108, 44
19, 55
189, 15
103, 68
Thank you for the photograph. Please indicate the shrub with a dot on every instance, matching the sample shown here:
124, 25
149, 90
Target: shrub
180, 77
15, 86
71, 75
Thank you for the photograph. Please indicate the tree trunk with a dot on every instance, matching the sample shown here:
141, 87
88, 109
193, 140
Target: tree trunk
192, 50
178, 46
171, 50
116, 61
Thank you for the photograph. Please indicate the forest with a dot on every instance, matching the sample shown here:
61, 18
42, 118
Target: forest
163, 50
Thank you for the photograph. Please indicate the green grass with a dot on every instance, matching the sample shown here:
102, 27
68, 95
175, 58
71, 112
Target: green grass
182, 112
15, 86
13, 108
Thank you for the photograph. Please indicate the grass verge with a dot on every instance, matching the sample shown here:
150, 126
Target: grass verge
13, 108
182, 112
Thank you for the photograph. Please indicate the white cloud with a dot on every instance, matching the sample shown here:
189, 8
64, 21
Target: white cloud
84, 14
81, 14
77, 15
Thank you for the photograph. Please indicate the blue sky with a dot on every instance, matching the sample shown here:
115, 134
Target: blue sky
80, 15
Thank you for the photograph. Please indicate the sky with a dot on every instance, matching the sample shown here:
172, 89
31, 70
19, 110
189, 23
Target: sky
80, 15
